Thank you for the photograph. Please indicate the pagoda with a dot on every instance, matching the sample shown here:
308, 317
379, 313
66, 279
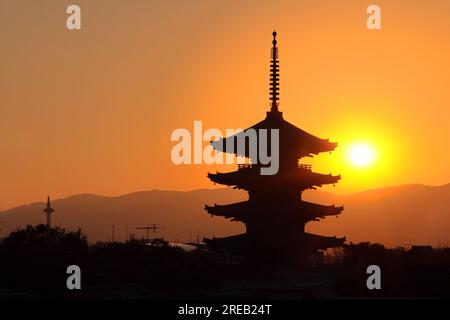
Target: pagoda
275, 214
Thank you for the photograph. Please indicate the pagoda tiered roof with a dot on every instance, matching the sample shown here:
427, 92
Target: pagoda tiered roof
243, 243
250, 177
291, 138
299, 210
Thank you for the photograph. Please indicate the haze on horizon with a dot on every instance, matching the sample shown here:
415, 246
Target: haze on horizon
92, 111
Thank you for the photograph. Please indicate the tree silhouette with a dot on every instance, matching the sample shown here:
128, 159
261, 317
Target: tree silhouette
37, 257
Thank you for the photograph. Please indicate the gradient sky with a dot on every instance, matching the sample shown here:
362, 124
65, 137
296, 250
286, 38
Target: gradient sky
92, 111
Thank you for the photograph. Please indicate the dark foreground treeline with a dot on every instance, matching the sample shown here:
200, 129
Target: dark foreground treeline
37, 257
413, 273
35, 260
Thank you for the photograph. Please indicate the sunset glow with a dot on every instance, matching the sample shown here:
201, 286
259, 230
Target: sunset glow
197, 154
101, 100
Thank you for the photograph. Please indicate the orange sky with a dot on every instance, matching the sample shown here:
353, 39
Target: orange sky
93, 110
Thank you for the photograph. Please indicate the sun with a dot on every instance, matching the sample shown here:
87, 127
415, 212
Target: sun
361, 155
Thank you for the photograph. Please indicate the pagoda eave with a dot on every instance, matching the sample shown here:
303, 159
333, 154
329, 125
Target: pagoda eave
292, 138
302, 210
244, 243
252, 178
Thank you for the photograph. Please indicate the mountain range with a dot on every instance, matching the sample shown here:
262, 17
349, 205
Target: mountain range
394, 216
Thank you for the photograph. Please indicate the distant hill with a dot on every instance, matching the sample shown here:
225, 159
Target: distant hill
394, 216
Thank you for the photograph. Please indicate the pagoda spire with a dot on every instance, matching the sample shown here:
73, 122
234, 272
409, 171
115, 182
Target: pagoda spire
274, 76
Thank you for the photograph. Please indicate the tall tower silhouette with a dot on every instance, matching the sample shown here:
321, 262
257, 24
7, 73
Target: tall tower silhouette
274, 76
49, 210
275, 214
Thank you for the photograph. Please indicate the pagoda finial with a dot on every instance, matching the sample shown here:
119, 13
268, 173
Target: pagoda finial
274, 76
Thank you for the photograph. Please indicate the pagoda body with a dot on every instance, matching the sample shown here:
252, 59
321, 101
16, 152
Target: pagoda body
275, 214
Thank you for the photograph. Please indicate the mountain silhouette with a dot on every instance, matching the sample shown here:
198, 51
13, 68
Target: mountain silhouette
393, 216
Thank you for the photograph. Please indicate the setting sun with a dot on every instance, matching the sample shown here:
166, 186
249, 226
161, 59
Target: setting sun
361, 155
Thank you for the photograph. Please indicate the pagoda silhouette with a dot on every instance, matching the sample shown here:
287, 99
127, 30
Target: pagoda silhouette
275, 214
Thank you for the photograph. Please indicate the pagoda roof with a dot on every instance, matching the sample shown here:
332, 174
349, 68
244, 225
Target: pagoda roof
291, 138
242, 243
245, 210
317, 242
246, 178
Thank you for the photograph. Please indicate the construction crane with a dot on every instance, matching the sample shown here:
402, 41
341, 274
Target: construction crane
153, 227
